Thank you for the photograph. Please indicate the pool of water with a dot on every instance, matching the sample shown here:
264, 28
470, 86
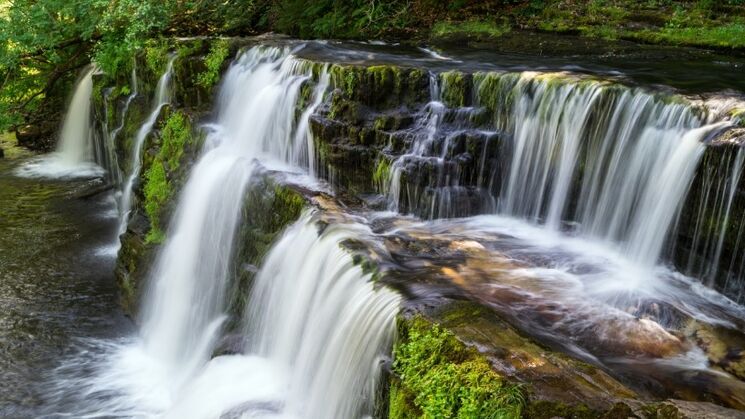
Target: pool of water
57, 289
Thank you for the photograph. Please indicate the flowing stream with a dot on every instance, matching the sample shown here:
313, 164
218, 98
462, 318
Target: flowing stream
562, 226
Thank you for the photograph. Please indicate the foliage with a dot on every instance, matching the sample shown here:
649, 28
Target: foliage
159, 191
45, 43
382, 174
213, 61
446, 379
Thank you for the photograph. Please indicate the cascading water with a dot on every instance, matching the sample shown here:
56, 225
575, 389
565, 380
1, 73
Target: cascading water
74, 154
75, 143
427, 180
422, 144
613, 162
287, 372
114, 133
162, 97
633, 156
322, 321
716, 221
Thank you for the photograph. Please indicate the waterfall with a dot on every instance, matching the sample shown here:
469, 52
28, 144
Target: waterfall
162, 97
185, 304
317, 328
714, 221
422, 144
633, 156
319, 317
74, 155
75, 143
610, 162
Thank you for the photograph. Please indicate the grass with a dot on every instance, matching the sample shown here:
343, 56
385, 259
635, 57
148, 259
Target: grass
726, 36
470, 28
661, 22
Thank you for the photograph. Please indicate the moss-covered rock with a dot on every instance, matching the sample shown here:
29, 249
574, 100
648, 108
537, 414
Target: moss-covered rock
166, 171
269, 207
439, 377
382, 86
456, 88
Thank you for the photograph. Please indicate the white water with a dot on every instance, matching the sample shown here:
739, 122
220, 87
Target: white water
633, 154
320, 321
608, 162
162, 97
421, 146
720, 178
331, 372
114, 133
73, 157
583, 294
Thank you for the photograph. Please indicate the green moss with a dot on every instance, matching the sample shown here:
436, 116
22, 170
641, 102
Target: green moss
382, 174
724, 36
219, 51
446, 379
472, 28
175, 133
156, 56
157, 192
455, 88
190, 47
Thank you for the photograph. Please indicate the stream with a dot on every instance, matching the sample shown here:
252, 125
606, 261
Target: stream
56, 287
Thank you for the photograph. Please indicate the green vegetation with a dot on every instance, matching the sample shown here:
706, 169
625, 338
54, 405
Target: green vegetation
213, 60
440, 377
45, 43
156, 56
382, 174
705, 23
726, 36
470, 28
455, 88
159, 191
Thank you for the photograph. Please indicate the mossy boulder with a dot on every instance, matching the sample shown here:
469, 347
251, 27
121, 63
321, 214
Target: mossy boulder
269, 207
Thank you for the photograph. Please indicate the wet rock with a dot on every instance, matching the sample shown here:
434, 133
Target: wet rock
680, 409
724, 349
36, 137
231, 344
